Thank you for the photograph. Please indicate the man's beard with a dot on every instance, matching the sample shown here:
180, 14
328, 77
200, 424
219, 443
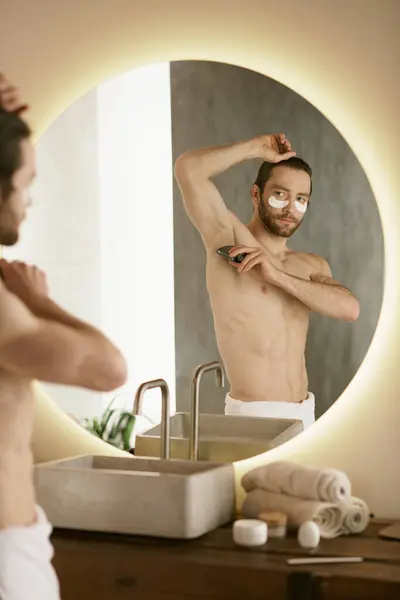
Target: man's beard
276, 227
8, 236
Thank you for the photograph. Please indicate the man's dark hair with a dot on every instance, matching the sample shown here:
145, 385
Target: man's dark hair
266, 169
12, 131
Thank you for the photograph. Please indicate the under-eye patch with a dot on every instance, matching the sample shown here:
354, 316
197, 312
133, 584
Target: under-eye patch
275, 203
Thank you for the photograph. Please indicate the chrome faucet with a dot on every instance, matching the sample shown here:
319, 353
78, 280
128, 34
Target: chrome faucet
165, 417
195, 396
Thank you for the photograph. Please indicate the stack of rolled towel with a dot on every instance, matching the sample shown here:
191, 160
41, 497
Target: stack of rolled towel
305, 494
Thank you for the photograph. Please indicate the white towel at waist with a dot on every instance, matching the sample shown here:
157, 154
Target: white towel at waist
326, 485
303, 411
327, 515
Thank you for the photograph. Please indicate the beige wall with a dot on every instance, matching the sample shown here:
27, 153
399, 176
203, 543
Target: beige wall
342, 56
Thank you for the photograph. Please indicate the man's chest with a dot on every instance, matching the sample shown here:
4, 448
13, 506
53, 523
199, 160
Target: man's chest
247, 299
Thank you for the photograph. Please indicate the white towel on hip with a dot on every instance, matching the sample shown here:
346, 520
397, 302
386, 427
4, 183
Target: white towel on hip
326, 485
301, 411
327, 515
26, 572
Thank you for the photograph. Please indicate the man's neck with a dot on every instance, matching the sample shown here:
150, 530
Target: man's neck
274, 244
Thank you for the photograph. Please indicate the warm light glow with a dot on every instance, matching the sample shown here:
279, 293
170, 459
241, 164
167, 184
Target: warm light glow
355, 89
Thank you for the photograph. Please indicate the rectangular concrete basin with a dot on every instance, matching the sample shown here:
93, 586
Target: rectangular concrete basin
222, 438
152, 497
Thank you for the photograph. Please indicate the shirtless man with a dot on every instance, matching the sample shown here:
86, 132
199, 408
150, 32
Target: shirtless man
38, 340
261, 305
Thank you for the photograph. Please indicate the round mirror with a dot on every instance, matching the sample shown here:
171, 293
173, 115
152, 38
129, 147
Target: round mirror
118, 236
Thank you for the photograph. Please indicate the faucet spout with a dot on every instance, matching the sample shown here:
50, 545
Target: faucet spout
195, 402
165, 410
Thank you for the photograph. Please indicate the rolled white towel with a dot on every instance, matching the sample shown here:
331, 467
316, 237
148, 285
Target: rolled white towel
310, 483
356, 515
327, 515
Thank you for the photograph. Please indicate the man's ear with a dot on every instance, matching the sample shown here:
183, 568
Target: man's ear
255, 195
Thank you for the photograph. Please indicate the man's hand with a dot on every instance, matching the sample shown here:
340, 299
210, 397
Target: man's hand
258, 259
274, 148
10, 97
25, 281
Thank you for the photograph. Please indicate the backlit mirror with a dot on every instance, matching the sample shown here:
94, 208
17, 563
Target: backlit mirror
110, 229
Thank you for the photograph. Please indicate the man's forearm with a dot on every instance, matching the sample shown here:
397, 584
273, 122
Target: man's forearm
50, 311
45, 308
209, 162
104, 362
329, 300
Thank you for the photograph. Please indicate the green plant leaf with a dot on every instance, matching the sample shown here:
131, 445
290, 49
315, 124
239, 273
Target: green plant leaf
96, 426
121, 421
106, 416
127, 433
105, 421
113, 432
120, 432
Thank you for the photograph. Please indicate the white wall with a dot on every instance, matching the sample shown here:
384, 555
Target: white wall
102, 212
135, 166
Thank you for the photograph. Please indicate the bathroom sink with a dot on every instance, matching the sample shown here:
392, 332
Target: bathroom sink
222, 438
153, 497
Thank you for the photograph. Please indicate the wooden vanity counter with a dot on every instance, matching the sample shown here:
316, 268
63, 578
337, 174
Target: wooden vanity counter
121, 567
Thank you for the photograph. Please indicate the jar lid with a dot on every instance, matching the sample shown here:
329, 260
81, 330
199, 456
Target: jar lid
250, 532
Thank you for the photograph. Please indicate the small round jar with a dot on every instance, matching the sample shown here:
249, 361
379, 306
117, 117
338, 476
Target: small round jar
250, 532
277, 523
